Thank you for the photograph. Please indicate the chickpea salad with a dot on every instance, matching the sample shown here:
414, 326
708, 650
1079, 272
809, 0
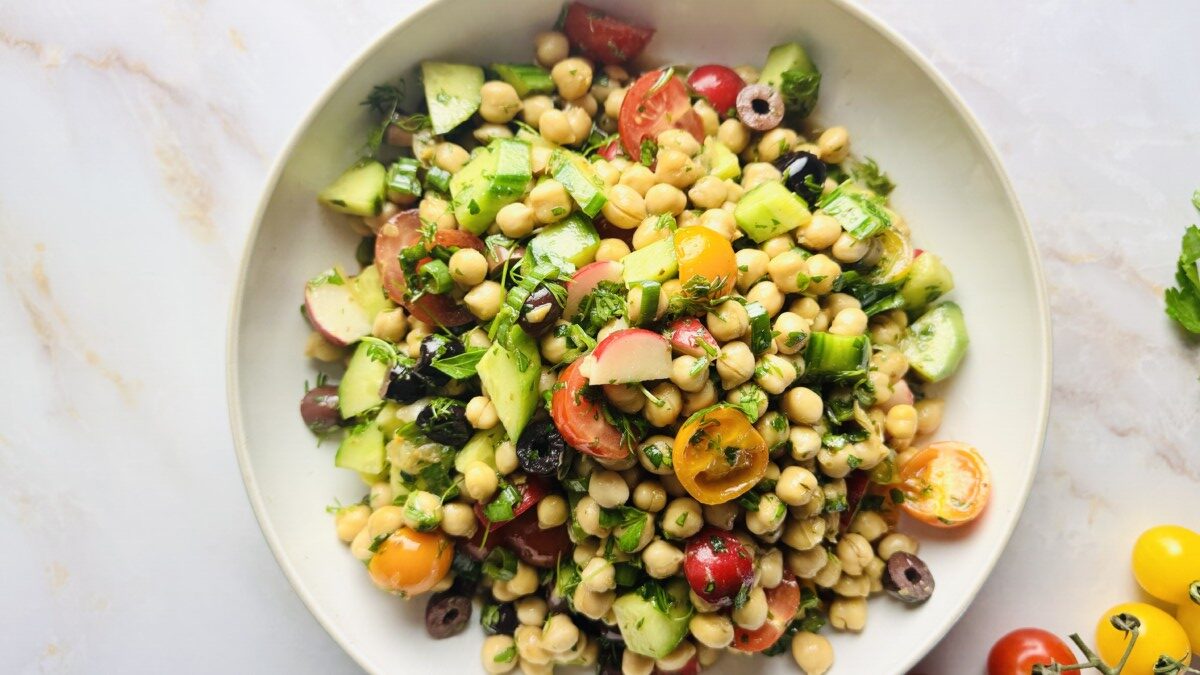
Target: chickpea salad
638, 363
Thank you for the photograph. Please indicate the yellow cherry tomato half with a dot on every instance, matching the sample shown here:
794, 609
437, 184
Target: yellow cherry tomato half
896, 256
718, 455
409, 563
1188, 616
705, 253
1166, 562
1159, 635
945, 485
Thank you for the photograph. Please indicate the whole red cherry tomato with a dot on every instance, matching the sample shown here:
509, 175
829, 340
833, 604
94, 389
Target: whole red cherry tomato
717, 566
1019, 651
719, 84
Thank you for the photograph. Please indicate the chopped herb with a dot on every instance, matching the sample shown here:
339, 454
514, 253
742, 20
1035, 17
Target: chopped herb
460, 366
800, 89
897, 496
681, 519
501, 507
1183, 301
742, 597
507, 655
649, 151
869, 175
500, 564
853, 461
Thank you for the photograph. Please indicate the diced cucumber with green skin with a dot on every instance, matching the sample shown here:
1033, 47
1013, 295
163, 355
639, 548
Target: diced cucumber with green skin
367, 288
936, 343
649, 631
928, 279
718, 160
789, 71
836, 357
781, 59
493, 179
359, 389
579, 178
760, 328
573, 240
860, 213
648, 310
388, 423
362, 450
525, 78
451, 93
656, 262
511, 380
770, 210
359, 191
481, 448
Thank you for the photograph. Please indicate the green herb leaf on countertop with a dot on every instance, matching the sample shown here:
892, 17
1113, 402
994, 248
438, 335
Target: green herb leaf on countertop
1183, 301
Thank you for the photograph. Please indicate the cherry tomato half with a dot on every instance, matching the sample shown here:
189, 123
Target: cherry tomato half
602, 37
945, 485
581, 421
783, 602
409, 563
719, 85
1160, 635
532, 491
718, 454
1166, 561
401, 231
702, 252
1019, 651
718, 566
656, 102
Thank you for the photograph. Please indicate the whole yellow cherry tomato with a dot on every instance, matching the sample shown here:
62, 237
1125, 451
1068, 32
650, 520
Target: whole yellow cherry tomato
1166, 561
1159, 635
409, 563
718, 455
1188, 616
705, 253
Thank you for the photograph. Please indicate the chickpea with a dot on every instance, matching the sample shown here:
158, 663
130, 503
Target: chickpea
529, 645
855, 552
534, 107
822, 272
350, 520
572, 77
821, 232
481, 413
580, 122
757, 173
770, 567
719, 221
486, 133
728, 321
468, 267
869, 525
700, 399
654, 453
608, 489
678, 139
734, 135
830, 573
551, 512
767, 294
381, 495
708, 117
539, 159
884, 331
480, 481
735, 364
663, 198
689, 373
499, 102
929, 415
806, 308
678, 658
874, 573
848, 614
434, 209
848, 250
591, 604
792, 331
627, 398
812, 653
802, 405
391, 325
902, 422
676, 168
599, 575
611, 249
612, 104
774, 373
786, 270
769, 516
553, 344
796, 486
317, 347
458, 519
836, 463
587, 514
850, 321
587, 103
682, 518
633, 663
531, 611
506, 458
749, 392
774, 427
897, 542
753, 614
834, 145
496, 654
422, 511
713, 630
808, 563
516, 220
550, 47
665, 412
625, 208
450, 156
776, 143
661, 559
752, 266
549, 201
638, 177
650, 496
555, 127
485, 300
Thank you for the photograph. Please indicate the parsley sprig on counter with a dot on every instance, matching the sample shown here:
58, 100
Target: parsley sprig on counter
1183, 301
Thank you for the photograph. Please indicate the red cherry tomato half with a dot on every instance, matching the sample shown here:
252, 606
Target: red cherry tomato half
719, 84
656, 102
532, 491
611, 151
857, 483
717, 566
783, 602
602, 37
580, 419
1019, 651
692, 667
401, 231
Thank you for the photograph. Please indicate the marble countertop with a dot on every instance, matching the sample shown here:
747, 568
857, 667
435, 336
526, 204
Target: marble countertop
137, 135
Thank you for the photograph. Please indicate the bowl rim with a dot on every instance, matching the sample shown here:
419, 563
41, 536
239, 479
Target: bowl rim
861, 14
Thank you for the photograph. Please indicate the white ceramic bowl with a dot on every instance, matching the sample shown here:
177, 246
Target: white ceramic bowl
898, 110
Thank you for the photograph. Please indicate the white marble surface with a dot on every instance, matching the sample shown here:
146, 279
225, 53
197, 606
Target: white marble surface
136, 135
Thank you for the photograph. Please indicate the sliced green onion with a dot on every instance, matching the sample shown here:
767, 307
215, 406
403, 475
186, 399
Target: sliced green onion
437, 277
437, 178
402, 178
651, 291
760, 328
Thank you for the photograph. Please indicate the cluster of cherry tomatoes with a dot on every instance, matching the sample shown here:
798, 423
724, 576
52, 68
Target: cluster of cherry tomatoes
1166, 563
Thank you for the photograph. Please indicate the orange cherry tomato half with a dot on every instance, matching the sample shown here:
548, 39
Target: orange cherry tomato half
945, 485
783, 602
704, 253
718, 455
409, 563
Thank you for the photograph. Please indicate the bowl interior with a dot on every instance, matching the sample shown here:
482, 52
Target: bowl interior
952, 192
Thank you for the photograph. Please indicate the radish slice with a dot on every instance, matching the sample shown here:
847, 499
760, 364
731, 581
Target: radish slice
585, 280
333, 310
630, 355
688, 334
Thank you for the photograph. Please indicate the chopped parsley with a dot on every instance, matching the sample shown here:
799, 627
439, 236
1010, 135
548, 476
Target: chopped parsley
1183, 301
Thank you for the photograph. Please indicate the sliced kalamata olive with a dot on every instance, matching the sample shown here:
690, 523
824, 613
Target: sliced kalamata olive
541, 448
595, 628
540, 311
319, 409
718, 566
534, 546
497, 253
447, 614
907, 578
402, 384
433, 348
444, 421
759, 107
803, 173
499, 618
